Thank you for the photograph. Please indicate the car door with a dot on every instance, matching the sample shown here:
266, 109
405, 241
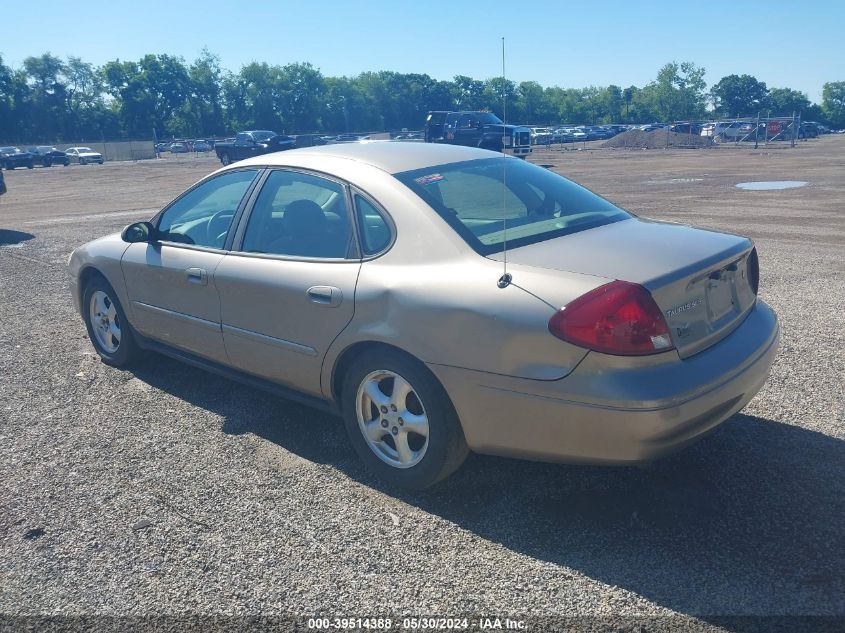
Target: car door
468, 131
244, 146
287, 288
170, 282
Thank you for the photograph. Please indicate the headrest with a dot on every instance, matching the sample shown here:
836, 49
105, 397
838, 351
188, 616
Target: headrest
303, 217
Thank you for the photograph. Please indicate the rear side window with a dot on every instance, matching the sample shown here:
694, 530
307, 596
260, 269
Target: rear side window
375, 232
299, 215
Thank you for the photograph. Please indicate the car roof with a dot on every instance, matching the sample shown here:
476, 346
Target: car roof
389, 156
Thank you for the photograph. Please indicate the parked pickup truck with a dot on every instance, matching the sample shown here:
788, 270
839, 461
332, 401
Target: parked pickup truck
252, 143
477, 129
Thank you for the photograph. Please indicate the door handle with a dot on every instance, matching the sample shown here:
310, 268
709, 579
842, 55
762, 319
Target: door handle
325, 295
197, 276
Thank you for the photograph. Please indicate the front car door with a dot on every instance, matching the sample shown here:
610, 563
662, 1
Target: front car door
287, 289
468, 130
170, 282
244, 146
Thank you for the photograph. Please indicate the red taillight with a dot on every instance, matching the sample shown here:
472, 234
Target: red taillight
616, 318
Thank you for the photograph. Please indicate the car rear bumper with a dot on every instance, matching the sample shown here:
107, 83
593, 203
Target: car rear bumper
518, 151
616, 409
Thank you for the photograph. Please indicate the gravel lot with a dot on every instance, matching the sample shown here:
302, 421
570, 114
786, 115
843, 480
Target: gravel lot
165, 490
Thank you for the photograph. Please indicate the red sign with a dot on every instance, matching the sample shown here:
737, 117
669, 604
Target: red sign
774, 128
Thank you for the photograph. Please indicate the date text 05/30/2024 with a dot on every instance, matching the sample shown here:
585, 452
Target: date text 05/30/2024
417, 624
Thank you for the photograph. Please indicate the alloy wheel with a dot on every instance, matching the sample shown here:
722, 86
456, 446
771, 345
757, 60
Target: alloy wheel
105, 322
392, 419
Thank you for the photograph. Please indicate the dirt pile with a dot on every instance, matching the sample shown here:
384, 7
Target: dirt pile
656, 139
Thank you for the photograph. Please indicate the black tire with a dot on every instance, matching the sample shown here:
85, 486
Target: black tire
446, 447
30, 165
127, 351
224, 158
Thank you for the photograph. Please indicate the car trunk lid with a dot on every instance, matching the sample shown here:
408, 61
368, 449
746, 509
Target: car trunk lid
704, 282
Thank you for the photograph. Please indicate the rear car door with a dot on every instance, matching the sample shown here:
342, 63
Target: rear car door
170, 282
287, 289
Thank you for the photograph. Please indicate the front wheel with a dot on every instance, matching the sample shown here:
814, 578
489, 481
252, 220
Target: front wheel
400, 420
107, 325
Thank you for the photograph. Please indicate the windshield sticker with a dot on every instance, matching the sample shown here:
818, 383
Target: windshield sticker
427, 180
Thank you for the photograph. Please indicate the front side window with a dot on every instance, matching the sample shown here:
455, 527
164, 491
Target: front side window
299, 215
479, 199
203, 216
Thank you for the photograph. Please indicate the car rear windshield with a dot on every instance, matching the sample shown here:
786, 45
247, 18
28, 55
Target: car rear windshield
485, 199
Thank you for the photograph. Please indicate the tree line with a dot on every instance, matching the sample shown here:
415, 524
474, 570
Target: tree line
49, 99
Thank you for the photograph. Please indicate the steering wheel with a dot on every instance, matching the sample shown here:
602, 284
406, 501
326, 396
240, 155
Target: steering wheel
218, 227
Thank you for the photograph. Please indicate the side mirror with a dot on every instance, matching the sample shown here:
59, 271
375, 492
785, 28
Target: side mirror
138, 232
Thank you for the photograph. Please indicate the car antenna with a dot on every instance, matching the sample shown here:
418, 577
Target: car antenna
505, 279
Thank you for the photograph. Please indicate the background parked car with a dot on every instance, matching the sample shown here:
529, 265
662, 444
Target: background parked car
11, 157
84, 155
47, 155
201, 145
686, 128
541, 136
178, 148
563, 135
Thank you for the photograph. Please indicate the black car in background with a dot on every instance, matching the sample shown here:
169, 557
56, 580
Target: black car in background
11, 157
47, 155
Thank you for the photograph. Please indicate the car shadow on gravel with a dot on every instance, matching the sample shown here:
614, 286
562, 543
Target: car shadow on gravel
747, 521
9, 237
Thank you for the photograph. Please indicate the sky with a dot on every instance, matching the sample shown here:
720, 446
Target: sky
563, 43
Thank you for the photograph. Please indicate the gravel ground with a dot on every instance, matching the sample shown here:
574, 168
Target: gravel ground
168, 491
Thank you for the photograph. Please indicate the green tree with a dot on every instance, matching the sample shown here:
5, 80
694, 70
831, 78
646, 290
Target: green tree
7, 112
45, 115
833, 103
785, 101
469, 93
530, 106
738, 95
133, 103
611, 100
202, 113
500, 93
628, 97
302, 97
677, 93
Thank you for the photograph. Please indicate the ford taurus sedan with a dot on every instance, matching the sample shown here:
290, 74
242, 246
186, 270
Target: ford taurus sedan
442, 299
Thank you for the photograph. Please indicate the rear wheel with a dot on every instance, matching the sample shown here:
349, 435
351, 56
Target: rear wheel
224, 158
107, 326
400, 420
81, 161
